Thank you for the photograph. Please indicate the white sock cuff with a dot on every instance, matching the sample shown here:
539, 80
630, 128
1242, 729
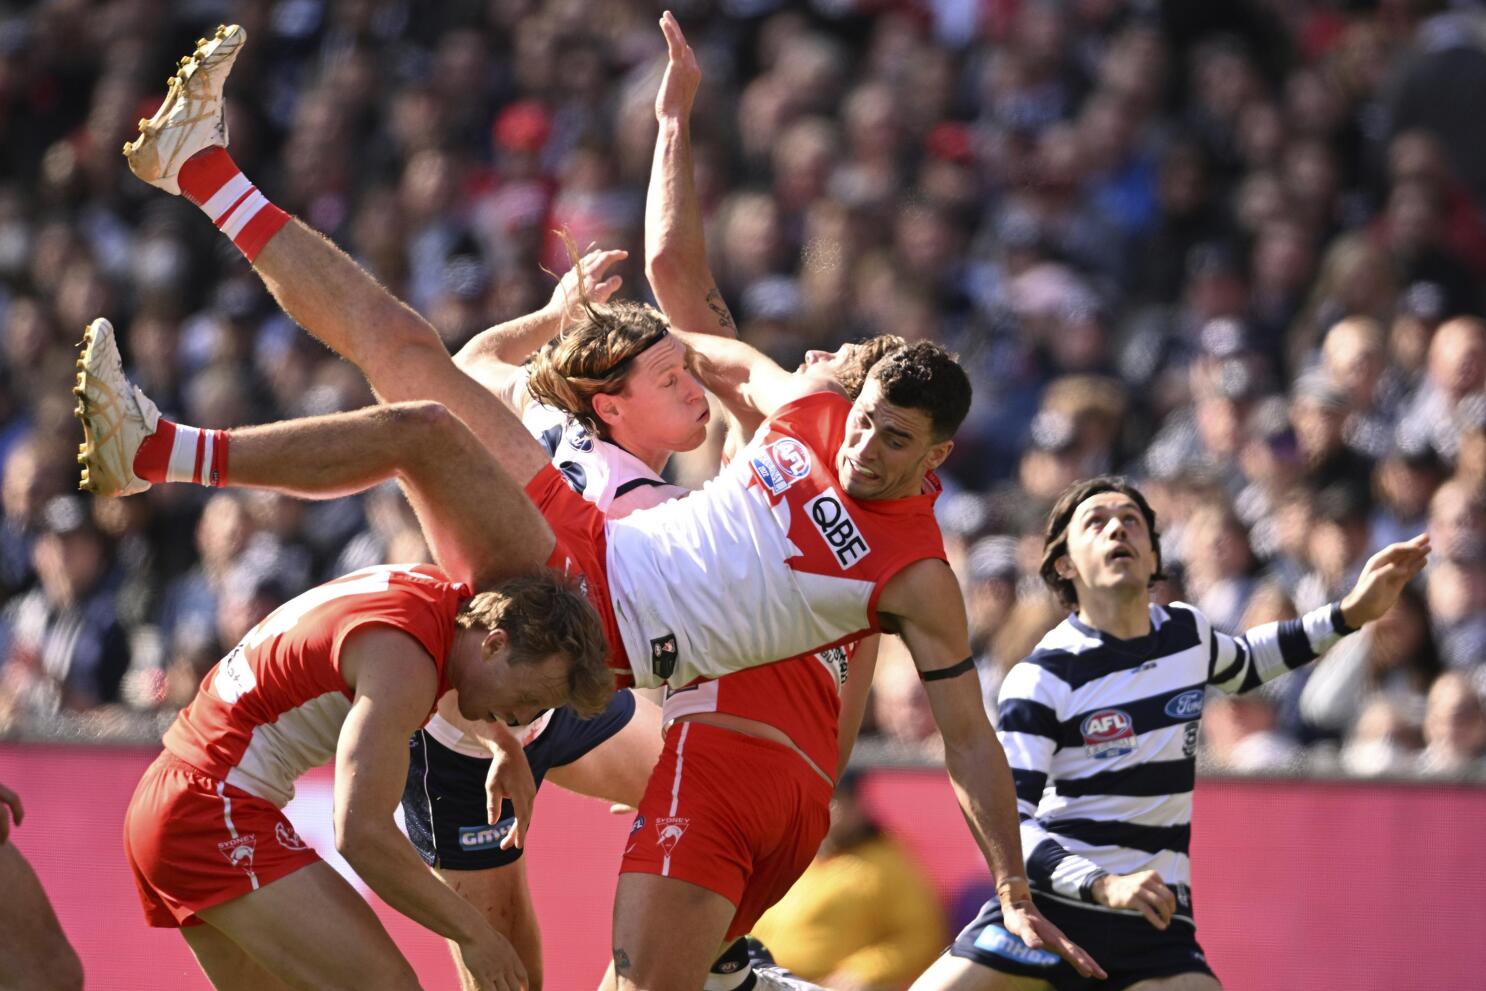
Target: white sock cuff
222, 200
182, 465
245, 212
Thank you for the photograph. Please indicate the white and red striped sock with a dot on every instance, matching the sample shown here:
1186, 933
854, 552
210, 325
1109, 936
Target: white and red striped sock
212, 180
177, 453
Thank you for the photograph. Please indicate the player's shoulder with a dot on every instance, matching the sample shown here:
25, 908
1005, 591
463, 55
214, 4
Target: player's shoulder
811, 414
1180, 621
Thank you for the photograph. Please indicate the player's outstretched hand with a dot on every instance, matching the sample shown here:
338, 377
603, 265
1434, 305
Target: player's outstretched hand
492, 961
598, 288
1143, 891
1383, 578
10, 805
510, 779
678, 87
1024, 920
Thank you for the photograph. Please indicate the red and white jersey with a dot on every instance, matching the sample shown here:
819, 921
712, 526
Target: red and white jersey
769, 560
273, 707
800, 697
597, 470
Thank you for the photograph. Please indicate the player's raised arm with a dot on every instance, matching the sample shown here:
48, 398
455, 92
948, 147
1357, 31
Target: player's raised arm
1243, 663
494, 356
675, 245
395, 681
924, 605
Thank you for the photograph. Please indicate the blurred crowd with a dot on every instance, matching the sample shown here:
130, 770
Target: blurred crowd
1234, 249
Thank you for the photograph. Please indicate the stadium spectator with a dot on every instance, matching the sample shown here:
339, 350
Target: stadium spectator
1454, 728
65, 648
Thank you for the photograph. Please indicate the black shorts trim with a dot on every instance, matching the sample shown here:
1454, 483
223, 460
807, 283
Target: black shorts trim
1128, 947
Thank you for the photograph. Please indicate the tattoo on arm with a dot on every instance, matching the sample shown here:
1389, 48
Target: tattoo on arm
717, 306
622, 964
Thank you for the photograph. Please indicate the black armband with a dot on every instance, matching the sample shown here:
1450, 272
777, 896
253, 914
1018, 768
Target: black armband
943, 674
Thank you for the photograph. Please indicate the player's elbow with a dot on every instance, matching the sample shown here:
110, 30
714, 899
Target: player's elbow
420, 426
357, 842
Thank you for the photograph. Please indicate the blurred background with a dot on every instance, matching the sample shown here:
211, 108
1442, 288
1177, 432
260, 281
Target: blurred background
1234, 249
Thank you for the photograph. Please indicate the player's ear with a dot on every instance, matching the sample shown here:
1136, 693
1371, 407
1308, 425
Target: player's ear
938, 453
605, 408
1064, 567
495, 641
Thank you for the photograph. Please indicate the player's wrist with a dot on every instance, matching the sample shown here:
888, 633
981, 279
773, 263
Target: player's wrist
1097, 888
1013, 889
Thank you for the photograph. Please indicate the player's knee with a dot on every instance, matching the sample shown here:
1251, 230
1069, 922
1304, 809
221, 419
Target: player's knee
423, 427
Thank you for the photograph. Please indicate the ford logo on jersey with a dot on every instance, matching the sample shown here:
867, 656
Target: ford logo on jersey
1108, 733
1187, 705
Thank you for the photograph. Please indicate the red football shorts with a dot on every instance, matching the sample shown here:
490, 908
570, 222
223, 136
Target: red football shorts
735, 814
581, 551
195, 842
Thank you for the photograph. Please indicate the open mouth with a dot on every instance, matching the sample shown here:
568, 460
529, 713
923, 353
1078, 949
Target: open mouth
856, 466
1121, 553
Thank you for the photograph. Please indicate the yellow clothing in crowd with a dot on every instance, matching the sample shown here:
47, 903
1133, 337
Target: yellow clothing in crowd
867, 912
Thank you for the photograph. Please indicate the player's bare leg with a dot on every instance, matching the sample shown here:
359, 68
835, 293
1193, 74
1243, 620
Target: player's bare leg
504, 898
477, 518
951, 973
182, 150
399, 352
666, 933
312, 930
34, 953
1179, 982
226, 964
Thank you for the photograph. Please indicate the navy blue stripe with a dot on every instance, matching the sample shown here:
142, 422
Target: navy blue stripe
1212, 657
1044, 857
1240, 656
1177, 634
550, 438
1158, 777
1295, 646
1145, 714
1098, 832
1029, 785
635, 483
1026, 716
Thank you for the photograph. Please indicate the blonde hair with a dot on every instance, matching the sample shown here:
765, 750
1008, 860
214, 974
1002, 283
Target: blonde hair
542, 615
592, 356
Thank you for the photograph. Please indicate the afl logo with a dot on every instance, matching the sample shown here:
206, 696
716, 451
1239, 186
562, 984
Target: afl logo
1108, 733
1187, 705
789, 454
578, 437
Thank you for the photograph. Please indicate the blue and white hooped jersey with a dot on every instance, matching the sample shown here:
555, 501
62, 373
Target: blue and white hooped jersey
1101, 735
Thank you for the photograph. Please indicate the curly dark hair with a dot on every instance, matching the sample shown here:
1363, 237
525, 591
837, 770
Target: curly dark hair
544, 614
1055, 535
925, 376
854, 370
